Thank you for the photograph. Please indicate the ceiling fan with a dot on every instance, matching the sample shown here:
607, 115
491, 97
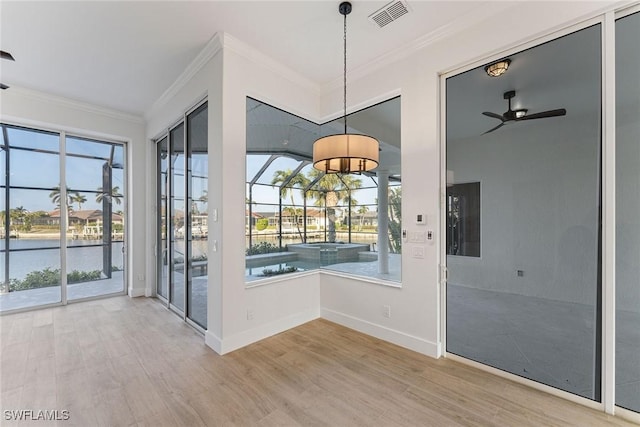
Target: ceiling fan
520, 114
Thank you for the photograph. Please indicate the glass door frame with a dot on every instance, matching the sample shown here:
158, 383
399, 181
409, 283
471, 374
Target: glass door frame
62, 135
608, 222
167, 214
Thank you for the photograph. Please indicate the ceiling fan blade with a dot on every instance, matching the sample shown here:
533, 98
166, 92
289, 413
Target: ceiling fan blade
493, 115
495, 128
545, 114
6, 55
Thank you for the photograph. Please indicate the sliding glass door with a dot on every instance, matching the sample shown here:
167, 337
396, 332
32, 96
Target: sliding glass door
182, 223
60, 243
523, 214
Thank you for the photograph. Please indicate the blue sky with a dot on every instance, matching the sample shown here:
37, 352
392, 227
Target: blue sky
42, 169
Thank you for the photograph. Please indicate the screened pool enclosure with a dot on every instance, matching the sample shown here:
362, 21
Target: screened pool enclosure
298, 218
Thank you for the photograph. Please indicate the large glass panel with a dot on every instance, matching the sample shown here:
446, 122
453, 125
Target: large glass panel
628, 212
298, 219
198, 232
95, 218
177, 212
163, 248
523, 293
30, 250
48, 168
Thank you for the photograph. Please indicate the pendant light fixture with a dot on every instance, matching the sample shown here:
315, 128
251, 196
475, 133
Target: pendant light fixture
345, 153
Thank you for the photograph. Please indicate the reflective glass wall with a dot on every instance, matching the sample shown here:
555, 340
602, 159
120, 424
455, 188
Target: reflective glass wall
523, 214
182, 222
628, 212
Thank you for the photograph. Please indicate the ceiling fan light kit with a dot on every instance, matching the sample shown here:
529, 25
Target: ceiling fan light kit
498, 68
345, 153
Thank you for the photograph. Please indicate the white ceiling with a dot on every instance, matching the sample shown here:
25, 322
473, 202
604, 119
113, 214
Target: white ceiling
124, 55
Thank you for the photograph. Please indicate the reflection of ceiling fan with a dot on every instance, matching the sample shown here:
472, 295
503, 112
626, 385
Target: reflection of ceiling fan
5, 55
520, 114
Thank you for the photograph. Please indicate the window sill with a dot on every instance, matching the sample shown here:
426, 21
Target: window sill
365, 279
286, 277
279, 278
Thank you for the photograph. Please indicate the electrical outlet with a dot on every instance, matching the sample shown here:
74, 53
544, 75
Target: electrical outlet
418, 252
249, 314
141, 277
386, 311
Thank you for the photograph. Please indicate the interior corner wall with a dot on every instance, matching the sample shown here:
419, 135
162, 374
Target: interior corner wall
40, 110
227, 79
253, 313
415, 320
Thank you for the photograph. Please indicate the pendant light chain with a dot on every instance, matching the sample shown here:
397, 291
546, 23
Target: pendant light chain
345, 153
345, 75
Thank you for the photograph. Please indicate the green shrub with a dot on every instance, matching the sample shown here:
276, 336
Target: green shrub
267, 272
262, 248
48, 277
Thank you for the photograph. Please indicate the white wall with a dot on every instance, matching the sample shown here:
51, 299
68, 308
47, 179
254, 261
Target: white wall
290, 301
415, 307
30, 108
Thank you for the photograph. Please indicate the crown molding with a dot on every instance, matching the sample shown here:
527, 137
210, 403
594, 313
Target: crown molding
254, 55
75, 104
211, 49
457, 26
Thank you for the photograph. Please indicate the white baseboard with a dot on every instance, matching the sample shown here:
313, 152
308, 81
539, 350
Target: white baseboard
213, 341
250, 336
402, 339
136, 292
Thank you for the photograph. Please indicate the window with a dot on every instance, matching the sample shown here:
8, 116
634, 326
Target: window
299, 219
38, 213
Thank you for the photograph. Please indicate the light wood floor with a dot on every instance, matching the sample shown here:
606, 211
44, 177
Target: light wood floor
124, 362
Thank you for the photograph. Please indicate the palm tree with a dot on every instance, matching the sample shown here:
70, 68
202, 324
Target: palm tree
79, 199
17, 216
362, 210
330, 190
56, 199
395, 217
299, 180
55, 196
114, 196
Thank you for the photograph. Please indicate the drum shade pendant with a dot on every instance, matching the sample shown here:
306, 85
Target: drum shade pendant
345, 153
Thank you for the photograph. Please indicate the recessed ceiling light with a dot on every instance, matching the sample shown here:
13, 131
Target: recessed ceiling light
497, 68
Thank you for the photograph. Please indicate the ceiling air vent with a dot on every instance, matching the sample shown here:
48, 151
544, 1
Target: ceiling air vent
389, 13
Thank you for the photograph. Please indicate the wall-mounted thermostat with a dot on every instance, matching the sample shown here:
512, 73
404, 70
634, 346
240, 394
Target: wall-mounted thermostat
421, 219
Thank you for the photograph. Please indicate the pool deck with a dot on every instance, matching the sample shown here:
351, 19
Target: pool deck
51, 295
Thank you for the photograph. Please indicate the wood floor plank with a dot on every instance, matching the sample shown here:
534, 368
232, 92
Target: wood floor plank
130, 362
